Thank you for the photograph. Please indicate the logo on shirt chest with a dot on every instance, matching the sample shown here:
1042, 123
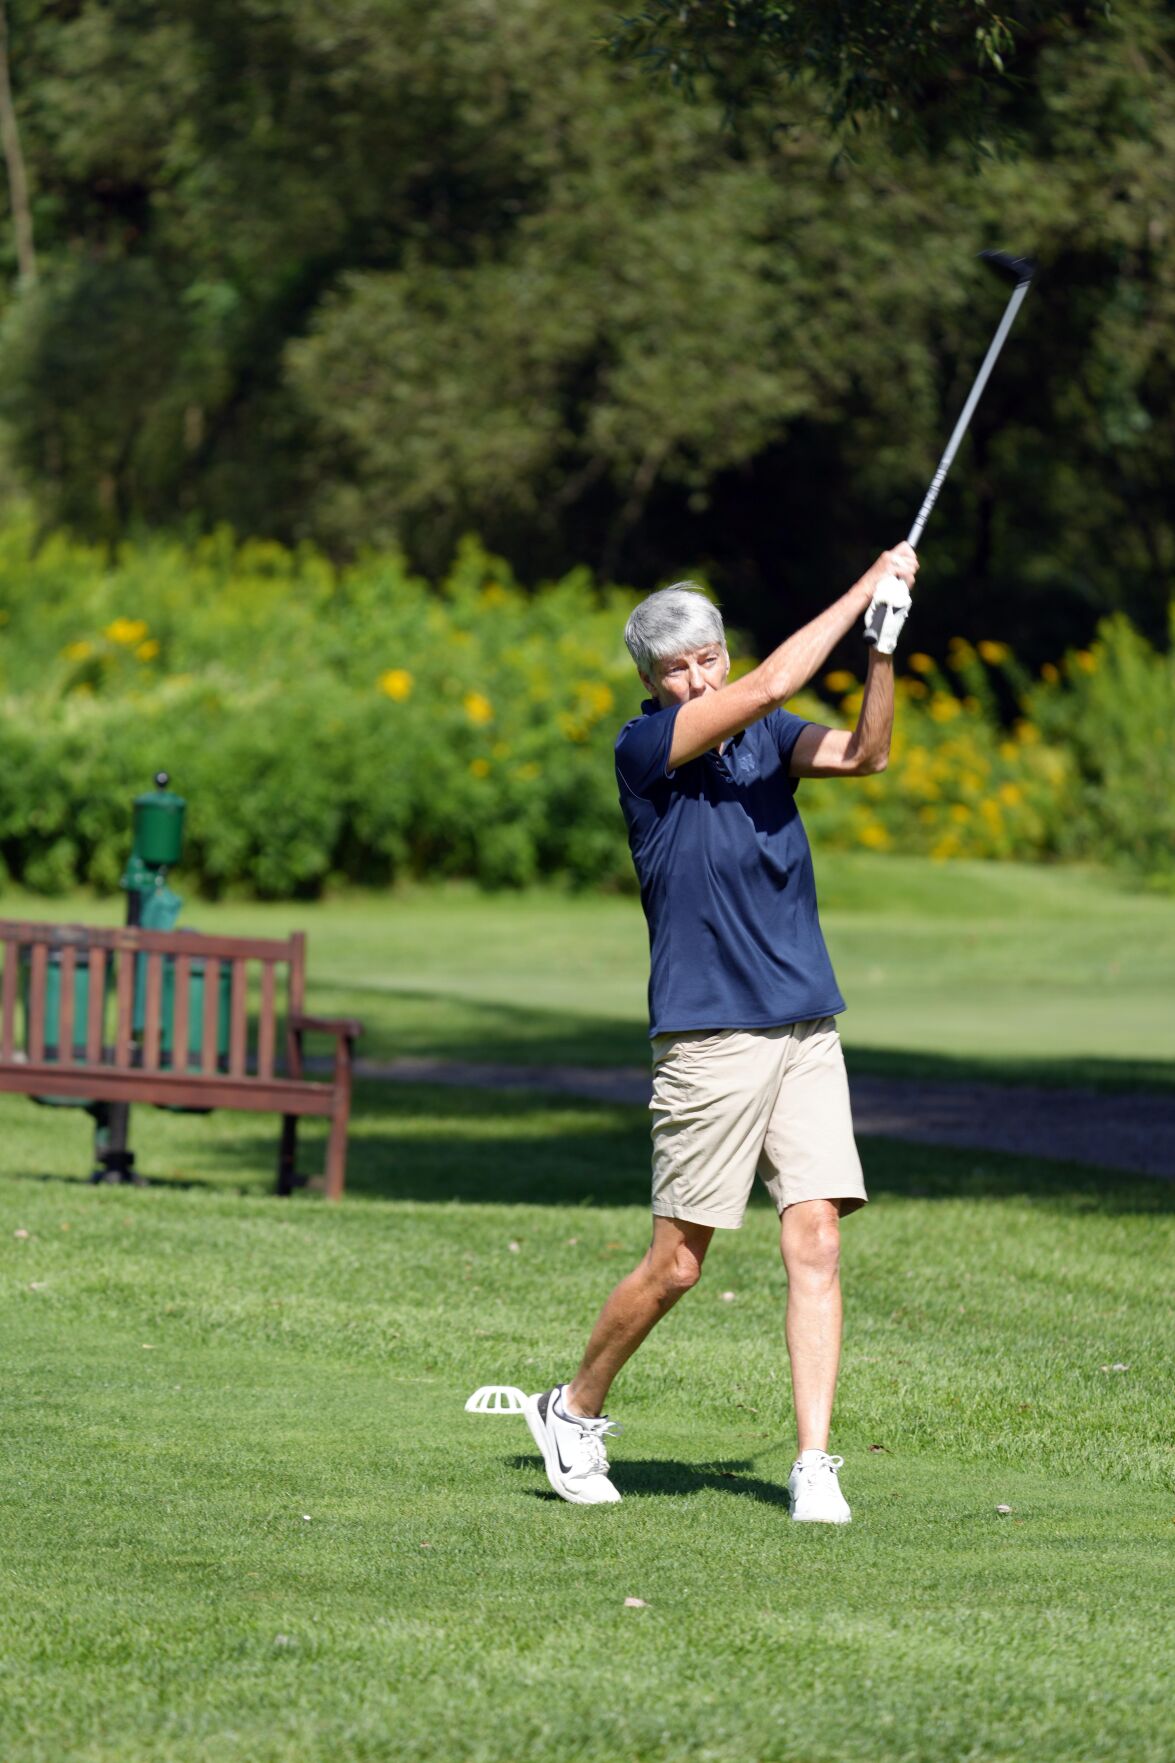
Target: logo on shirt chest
737, 764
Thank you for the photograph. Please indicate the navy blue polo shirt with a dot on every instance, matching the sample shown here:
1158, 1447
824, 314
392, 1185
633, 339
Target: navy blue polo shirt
726, 878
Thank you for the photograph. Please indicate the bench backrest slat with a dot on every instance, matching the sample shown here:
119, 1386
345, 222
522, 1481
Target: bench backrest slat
8, 994
267, 1027
69, 963
183, 1005
238, 1036
96, 1015
297, 997
125, 994
153, 1013
211, 1015
37, 980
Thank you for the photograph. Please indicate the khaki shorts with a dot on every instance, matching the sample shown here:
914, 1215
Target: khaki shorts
731, 1104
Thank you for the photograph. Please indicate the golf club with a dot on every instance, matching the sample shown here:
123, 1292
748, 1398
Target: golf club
1019, 271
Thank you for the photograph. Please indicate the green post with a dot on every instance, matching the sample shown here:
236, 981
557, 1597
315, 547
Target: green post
157, 843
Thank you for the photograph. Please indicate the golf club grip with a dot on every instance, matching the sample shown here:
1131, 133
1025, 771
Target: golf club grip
960, 429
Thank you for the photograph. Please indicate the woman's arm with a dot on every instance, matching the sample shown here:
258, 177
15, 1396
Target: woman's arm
717, 715
839, 752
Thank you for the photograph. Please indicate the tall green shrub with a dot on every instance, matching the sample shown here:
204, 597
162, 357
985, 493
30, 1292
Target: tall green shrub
359, 725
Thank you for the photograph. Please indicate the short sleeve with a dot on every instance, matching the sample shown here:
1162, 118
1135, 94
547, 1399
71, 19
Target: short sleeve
642, 750
785, 730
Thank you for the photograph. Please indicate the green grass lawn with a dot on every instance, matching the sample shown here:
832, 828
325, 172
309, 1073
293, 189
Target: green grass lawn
955, 970
246, 1520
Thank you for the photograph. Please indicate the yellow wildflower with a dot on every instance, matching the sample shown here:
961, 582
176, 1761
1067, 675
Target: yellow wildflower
875, 837
946, 847
927, 815
479, 767
1009, 750
840, 681
396, 684
478, 708
993, 653
1011, 795
494, 594
960, 812
1086, 660
598, 695
959, 652
529, 771
944, 708
127, 631
919, 662
914, 688
78, 651
149, 650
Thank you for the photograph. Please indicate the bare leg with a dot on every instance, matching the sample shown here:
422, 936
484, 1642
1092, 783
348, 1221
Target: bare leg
672, 1265
810, 1244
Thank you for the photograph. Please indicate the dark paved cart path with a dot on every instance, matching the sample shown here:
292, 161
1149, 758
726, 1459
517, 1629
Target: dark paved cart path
1135, 1133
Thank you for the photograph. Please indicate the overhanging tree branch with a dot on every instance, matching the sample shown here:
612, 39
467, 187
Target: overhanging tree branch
18, 189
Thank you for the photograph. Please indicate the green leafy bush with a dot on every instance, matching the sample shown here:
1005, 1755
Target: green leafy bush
323, 725
1112, 708
360, 725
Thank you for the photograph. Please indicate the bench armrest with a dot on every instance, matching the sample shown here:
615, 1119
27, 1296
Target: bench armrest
346, 1030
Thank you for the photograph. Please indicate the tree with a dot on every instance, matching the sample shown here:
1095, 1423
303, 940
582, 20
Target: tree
929, 72
388, 274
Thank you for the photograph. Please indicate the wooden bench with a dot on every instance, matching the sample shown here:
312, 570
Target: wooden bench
130, 1048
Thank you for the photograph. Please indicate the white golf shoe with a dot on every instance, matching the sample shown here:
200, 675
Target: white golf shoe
814, 1491
573, 1449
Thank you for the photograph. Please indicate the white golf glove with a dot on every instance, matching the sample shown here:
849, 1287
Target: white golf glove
887, 614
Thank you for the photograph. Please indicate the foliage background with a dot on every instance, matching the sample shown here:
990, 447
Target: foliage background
360, 724
384, 274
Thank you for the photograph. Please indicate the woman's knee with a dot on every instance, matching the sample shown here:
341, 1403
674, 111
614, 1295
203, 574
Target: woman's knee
810, 1238
675, 1260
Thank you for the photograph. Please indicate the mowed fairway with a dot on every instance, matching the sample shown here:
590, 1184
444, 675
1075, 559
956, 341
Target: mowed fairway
246, 1519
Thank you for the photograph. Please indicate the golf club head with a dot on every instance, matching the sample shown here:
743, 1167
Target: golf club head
1019, 270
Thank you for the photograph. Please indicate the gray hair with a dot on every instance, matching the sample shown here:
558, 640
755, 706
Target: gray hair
669, 623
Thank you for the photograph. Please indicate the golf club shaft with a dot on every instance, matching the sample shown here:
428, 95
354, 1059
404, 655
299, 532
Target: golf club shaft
989, 361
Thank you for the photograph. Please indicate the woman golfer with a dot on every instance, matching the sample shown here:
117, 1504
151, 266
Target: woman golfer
748, 1074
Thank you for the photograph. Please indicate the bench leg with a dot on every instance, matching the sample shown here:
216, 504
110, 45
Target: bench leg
336, 1148
287, 1155
113, 1158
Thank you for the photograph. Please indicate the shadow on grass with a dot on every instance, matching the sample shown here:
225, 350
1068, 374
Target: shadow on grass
1021, 1071
440, 1145
671, 1479
898, 1170
445, 1025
